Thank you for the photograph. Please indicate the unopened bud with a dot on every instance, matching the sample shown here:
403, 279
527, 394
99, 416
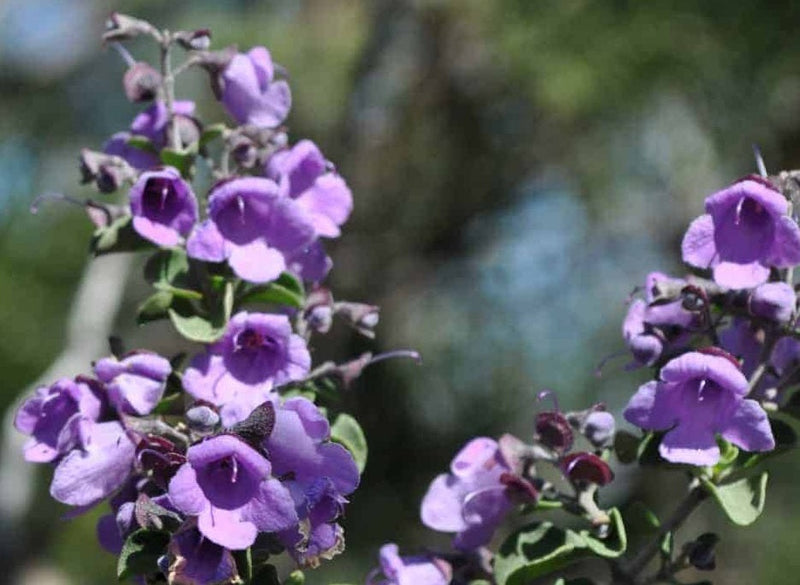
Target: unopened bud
553, 431
141, 82
586, 468
202, 418
701, 552
363, 318
189, 129
244, 151
598, 428
318, 311
120, 27
193, 40
775, 301
519, 489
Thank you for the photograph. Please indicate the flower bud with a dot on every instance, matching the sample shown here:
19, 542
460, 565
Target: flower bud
553, 431
195, 40
701, 552
244, 151
159, 456
141, 82
598, 428
121, 27
202, 418
519, 489
586, 468
363, 318
318, 312
189, 129
774, 301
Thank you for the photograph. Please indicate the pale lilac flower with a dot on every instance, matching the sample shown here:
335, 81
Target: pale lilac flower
773, 300
227, 485
472, 499
252, 226
697, 397
304, 175
320, 474
250, 92
135, 383
410, 570
744, 233
96, 469
56, 417
257, 352
164, 207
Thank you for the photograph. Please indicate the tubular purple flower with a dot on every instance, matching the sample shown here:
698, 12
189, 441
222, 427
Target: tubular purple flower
697, 397
227, 485
744, 233
250, 92
164, 207
471, 500
196, 560
775, 301
135, 383
411, 570
257, 352
304, 175
253, 227
56, 418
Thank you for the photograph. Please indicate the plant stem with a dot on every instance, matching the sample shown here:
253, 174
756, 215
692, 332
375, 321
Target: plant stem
169, 89
693, 499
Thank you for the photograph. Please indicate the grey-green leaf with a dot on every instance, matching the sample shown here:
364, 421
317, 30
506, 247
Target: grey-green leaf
154, 307
141, 552
743, 500
348, 432
195, 327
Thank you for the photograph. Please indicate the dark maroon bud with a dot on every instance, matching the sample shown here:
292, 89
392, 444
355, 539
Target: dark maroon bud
194, 40
693, 298
519, 489
701, 552
586, 468
553, 431
363, 318
141, 82
121, 27
160, 457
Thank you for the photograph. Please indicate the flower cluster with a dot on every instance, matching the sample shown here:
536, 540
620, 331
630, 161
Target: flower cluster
230, 452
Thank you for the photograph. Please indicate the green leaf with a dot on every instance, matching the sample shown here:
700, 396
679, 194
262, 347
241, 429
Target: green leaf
141, 143
211, 133
614, 544
535, 550
172, 404
348, 432
274, 294
119, 236
181, 160
154, 307
743, 500
194, 327
168, 266
141, 552
290, 282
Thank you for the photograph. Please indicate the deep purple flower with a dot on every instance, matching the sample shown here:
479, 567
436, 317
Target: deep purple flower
151, 124
196, 560
135, 383
320, 474
773, 300
412, 570
250, 92
698, 397
164, 207
311, 263
253, 227
304, 175
471, 500
257, 352
745, 231
96, 469
227, 485
56, 418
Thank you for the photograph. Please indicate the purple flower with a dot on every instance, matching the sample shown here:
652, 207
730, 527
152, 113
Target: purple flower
164, 207
416, 570
257, 352
744, 341
304, 175
198, 561
745, 231
250, 92
151, 124
471, 500
97, 469
56, 418
311, 263
697, 397
253, 227
321, 473
135, 383
227, 485
773, 300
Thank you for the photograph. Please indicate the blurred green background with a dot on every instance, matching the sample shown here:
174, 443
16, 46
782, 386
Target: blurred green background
518, 167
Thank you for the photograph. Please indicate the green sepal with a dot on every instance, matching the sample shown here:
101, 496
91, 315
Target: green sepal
118, 236
347, 432
154, 307
140, 553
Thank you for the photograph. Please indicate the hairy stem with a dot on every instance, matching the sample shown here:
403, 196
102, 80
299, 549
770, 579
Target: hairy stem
631, 570
169, 89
